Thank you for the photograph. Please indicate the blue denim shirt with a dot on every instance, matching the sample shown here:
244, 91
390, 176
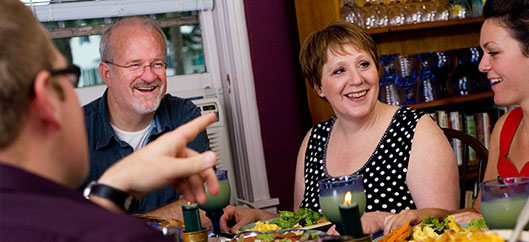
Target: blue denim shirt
106, 147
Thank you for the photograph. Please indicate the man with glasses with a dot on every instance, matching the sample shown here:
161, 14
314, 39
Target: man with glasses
135, 109
44, 150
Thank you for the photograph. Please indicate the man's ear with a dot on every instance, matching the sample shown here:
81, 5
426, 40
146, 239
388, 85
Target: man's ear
104, 72
46, 100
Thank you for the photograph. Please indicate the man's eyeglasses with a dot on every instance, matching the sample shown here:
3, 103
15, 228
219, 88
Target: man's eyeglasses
73, 72
137, 68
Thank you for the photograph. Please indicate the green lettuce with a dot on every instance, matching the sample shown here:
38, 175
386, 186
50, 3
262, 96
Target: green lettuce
435, 224
305, 217
478, 223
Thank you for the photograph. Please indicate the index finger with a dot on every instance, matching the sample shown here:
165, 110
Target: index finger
188, 131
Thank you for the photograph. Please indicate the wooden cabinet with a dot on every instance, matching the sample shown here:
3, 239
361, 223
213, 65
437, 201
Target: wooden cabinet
313, 15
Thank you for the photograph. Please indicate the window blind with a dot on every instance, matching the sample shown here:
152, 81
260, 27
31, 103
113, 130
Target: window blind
62, 10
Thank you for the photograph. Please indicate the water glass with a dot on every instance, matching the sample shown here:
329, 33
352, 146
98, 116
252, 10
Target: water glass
502, 200
352, 13
406, 68
332, 193
427, 89
214, 205
391, 94
443, 12
442, 65
397, 13
371, 14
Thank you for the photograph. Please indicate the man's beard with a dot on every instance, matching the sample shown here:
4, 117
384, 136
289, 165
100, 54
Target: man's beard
150, 104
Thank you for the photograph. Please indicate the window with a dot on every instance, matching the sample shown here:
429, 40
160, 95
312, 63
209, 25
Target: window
78, 41
76, 27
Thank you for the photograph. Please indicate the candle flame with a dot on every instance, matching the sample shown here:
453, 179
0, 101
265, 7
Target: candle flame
348, 197
188, 203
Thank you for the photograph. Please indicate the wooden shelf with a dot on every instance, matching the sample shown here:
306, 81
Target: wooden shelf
315, 15
428, 25
452, 100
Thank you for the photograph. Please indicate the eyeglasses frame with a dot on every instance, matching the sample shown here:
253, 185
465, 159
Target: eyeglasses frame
71, 69
129, 67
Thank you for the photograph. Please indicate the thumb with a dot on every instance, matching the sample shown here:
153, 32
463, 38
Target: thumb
236, 227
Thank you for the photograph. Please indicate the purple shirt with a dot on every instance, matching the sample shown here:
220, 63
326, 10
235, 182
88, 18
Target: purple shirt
33, 208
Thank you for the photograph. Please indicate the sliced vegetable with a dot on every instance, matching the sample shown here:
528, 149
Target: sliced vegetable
266, 237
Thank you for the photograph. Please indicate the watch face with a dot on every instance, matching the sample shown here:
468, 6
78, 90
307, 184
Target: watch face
128, 202
88, 188
118, 197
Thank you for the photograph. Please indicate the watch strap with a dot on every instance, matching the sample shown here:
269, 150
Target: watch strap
120, 198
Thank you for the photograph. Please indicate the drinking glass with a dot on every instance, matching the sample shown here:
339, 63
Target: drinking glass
397, 13
442, 65
427, 88
383, 13
215, 204
415, 12
407, 67
502, 200
390, 91
371, 12
467, 78
443, 11
332, 193
352, 13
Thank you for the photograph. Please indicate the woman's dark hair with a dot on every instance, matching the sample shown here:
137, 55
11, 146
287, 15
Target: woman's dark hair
514, 16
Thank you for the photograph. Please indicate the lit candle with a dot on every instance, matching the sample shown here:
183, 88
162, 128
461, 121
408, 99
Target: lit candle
191, 217
350, 216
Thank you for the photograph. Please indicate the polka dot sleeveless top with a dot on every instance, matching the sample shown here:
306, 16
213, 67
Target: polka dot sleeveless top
384, 173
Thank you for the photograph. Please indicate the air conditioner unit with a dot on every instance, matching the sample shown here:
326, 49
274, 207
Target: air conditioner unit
219, 139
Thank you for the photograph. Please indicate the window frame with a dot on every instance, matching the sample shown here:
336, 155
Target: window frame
229, 76
187, 85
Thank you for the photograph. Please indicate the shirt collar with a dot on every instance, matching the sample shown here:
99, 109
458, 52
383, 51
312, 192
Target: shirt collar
162, 117
16, 179
104, 133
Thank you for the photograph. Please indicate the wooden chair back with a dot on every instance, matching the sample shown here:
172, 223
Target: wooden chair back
464, 169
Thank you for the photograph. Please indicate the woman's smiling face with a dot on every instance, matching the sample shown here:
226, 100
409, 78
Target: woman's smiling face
349, 81
504, 62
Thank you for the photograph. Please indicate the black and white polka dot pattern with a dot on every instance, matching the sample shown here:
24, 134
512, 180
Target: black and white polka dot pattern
384, 173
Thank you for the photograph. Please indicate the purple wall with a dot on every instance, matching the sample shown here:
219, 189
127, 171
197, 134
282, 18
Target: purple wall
280, 90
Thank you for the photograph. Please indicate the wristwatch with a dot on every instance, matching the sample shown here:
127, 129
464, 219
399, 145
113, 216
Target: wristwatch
118, 197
